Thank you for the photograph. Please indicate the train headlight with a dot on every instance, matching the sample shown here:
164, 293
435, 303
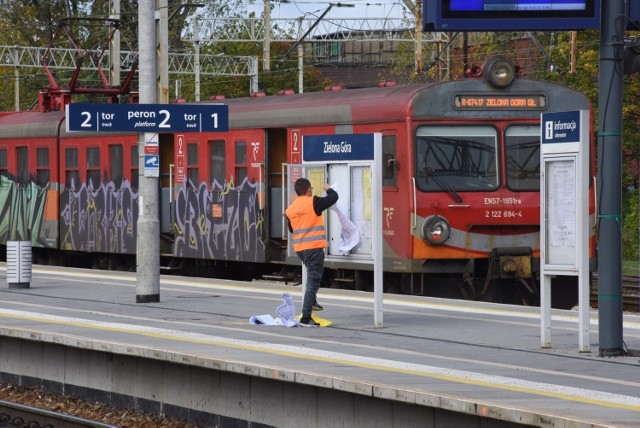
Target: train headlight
499, 71
435, 230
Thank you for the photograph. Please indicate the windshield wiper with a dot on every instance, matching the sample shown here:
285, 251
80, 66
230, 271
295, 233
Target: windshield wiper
443, 185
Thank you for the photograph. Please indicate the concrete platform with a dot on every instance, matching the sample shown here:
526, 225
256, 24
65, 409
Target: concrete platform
474, 359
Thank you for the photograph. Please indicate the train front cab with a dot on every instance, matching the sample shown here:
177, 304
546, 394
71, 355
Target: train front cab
477, 176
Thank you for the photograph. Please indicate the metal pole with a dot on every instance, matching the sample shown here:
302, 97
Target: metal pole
418, 46
253, 73
610, 178
300, 61
196, 59
162, 35
148, 234
114, 46
16, 73
266, 44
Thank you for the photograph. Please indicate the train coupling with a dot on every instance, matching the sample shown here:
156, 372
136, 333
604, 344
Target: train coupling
511, 262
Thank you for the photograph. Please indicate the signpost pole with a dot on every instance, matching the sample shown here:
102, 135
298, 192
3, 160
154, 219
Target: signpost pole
609, 196
148, 226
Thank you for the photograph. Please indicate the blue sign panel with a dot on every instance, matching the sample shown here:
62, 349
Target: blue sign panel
341, 147
561, 127
147, 117
151, 165
510, 15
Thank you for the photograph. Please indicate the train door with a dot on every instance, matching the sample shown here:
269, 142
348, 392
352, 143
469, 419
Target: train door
167, 171
276, 142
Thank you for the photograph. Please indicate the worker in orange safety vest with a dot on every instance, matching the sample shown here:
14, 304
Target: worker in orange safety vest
305, 222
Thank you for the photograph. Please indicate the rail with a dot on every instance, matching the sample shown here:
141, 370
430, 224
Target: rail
20, 415
630, 293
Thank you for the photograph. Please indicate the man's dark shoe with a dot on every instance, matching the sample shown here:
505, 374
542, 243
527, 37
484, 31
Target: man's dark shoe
308, 322
317, 307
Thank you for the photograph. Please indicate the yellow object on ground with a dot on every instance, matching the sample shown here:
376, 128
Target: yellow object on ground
322, 321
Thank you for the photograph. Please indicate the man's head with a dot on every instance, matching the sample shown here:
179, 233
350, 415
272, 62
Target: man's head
302, 186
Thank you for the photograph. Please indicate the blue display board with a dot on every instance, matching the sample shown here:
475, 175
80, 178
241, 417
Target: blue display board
510, 15
340, 147
147, 117
563, 127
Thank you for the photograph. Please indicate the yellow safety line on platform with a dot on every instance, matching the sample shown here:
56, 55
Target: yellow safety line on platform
315, 356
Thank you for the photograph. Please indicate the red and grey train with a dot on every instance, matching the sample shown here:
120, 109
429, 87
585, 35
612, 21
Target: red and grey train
461, 179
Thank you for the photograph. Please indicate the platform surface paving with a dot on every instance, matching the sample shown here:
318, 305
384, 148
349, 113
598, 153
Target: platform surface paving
456, 355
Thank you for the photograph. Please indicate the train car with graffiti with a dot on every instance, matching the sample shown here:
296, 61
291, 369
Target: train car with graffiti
461, 178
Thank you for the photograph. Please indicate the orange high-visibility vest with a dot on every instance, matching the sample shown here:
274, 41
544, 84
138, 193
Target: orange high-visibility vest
308, 227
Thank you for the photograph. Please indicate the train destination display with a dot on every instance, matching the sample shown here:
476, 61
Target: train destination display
499, 102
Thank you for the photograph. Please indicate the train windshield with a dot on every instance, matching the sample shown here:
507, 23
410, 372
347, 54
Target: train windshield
456, 158
522, 153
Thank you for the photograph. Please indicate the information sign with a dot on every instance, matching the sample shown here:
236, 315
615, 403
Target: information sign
564, 213
561, 128
147, 117
340, 147
152, 165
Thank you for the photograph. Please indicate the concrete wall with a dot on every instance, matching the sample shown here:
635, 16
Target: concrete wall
209, 396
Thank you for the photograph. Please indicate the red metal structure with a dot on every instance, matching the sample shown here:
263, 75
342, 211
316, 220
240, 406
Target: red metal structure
57, 95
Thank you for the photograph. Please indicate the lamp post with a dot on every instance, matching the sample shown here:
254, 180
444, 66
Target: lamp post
148, 224
153, 63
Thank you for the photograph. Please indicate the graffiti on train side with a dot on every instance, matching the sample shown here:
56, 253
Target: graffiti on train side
224, 223
22, 208
101, 219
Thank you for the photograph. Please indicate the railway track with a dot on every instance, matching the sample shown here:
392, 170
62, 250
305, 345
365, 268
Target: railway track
19, 415
630, 293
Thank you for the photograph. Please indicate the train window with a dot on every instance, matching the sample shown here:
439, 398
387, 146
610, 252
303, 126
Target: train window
22, 155
116, 164
4, 162
390, 162
42, 166
217, 168
192, 165
135, 179
241, 162
456, 158
93, 167
522, 155
71, 164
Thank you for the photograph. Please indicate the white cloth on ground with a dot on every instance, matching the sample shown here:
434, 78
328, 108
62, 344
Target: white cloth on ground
286, 313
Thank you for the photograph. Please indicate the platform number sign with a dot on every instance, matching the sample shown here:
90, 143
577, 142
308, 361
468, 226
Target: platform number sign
180, 160
147, 117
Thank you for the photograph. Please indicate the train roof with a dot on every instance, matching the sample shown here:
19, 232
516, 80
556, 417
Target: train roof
432, 100
316, 108
30, 124
349, 106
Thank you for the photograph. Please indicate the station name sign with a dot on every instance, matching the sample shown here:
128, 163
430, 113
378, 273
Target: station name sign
147, 117
340, 147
